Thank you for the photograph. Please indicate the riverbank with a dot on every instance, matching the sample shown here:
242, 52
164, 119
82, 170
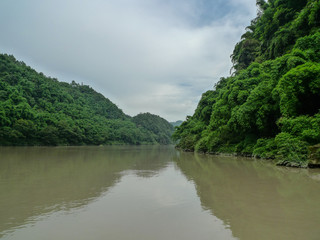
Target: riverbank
312, 161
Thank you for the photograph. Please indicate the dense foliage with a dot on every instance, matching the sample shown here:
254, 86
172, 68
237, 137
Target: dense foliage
160, 129
38, 110
270, 105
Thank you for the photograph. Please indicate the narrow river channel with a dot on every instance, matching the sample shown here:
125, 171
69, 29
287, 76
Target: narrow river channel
152, 192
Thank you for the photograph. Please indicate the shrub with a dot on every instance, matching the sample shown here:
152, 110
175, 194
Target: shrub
265, 148
291, 151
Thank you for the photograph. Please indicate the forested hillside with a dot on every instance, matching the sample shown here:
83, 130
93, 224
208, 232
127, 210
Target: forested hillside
38, 110
176, 123
160, 129
269, 107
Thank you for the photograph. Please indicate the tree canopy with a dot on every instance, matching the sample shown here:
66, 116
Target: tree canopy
269, 107
39, 110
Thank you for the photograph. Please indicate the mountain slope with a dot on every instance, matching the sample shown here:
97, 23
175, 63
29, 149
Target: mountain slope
38, 110
176, 123
160, 128
270, 106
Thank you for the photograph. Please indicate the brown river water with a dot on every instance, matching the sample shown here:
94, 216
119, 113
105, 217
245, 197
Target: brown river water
152, 192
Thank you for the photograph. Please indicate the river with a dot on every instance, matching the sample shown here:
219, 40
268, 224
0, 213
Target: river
152, 192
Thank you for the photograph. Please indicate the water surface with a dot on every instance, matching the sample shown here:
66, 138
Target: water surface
152, 192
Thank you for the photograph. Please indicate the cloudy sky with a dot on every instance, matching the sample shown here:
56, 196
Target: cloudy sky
154, 56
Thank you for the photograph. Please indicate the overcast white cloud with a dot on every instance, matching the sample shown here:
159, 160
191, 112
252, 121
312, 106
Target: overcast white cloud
144, 55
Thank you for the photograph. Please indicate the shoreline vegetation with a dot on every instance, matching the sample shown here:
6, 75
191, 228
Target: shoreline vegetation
36, 110
269, 106
313, 158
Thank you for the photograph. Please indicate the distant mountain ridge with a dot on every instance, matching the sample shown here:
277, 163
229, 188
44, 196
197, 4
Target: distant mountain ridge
40, 110
176, 123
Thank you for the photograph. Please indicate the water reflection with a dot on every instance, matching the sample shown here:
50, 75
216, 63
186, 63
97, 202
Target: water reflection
255, 198
35, 181
152, 192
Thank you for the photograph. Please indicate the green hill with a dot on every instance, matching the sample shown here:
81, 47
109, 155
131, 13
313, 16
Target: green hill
176, 123
39, 110
269, 107
161, 130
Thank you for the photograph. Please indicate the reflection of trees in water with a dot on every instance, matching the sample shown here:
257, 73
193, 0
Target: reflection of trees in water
256, 199
37, 180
